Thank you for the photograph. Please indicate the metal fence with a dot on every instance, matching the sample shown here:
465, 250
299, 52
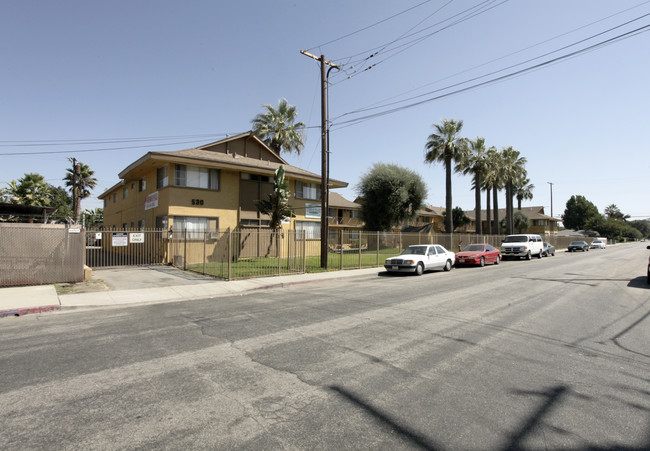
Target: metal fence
34, 254
126, 247
239, 254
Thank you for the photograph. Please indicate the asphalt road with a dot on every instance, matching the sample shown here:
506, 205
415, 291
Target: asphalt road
541, 354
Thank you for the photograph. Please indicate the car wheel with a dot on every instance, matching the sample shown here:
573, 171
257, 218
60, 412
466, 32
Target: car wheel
498, 260
482, 263
419, 269
447, 266
540, 255
552, 254
529, 256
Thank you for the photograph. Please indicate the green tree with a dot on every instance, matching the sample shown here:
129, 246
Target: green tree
62, 201
278, 129
493, 182
32, 189
475, 163
578, 212
612, 211
446, 147
512, 169
84, 183
276, 206
460, 219
642, 226
523, 190
93, 219
389, 195
521, 222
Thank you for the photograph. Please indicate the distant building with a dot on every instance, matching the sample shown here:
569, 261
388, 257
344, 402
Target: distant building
540, 222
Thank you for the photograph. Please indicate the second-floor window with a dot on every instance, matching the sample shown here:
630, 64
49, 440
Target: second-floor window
196, 177
162, 177
307, 190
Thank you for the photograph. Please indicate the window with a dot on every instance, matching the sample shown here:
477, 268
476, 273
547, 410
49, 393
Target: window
196, 177
142, 185
162, 177
114, 197
312, 229
257, 177
308, 190
355, 214
255, 222
195, 227
161, 222
125, 193
141, 224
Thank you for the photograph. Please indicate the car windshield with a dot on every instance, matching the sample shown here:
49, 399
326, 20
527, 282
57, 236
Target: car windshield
415, 250
596, 241
577, 243
515, 239
474, 248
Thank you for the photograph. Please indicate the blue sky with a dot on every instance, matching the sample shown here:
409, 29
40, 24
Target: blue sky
82, 77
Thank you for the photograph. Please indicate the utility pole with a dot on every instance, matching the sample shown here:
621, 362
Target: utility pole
324, 186
76, 177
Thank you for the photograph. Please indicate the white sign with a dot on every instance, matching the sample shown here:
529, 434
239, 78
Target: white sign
151, 201
312, 210
74, 230
98, 235
120, 239
136, 237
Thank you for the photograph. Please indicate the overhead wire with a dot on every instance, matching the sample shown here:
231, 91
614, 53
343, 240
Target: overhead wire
593, 47
497, 71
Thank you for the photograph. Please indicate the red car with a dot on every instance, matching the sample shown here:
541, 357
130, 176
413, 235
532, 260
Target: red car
478, 254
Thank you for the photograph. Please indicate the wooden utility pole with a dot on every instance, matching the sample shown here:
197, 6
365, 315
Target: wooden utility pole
324, 186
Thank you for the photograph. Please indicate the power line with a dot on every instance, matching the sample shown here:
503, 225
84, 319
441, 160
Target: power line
95, 150
64, 142
496, 79
497, 71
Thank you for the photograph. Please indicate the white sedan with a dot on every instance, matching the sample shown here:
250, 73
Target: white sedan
420, 258
597, 244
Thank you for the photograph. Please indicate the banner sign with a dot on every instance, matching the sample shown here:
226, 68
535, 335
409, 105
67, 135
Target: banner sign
120, 239
151, 201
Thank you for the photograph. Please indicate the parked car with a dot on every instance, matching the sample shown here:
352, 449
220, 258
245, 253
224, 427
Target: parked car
597, 244
549, 249
420, 258
575, 246
478, 254
522, 245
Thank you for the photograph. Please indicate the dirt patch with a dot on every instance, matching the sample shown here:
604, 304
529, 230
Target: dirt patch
88, 286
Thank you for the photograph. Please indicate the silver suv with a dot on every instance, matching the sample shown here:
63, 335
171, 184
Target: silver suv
522, 245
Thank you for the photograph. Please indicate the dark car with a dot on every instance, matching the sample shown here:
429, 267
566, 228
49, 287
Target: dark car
549, 249
578, 246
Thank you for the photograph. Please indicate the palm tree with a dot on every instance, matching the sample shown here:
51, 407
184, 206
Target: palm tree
475, 162
490, 182
276, 205
32, 189
278, 129
523, 190
446, 147
513, 168
84, 183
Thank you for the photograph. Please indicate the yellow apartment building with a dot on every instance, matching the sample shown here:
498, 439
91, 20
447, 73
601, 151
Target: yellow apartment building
210, 188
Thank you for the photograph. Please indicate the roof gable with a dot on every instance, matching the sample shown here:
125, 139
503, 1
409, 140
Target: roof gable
246, 145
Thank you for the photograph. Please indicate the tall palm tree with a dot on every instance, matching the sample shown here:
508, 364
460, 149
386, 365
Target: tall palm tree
490, 182
84, 183
278, 129
523, 190
513, 168
474, 162
446, 147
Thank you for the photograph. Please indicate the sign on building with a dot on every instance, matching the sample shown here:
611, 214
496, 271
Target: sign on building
119, 239
136, 237
151, 201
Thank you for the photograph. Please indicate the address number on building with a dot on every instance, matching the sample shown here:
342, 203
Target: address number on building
197, 201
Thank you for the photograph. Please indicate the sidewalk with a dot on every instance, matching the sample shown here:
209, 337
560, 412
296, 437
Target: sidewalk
154, 285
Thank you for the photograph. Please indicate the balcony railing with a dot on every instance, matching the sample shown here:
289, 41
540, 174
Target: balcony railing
345, 222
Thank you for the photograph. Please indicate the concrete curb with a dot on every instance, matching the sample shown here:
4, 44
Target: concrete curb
25, 310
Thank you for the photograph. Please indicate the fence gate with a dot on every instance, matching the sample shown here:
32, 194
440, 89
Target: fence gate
127, 247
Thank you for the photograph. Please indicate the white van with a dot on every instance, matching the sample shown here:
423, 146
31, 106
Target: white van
522, 245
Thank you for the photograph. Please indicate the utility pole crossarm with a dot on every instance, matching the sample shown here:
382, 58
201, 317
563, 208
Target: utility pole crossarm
324, 61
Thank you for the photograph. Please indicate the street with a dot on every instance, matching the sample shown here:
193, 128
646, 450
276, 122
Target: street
542, 354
